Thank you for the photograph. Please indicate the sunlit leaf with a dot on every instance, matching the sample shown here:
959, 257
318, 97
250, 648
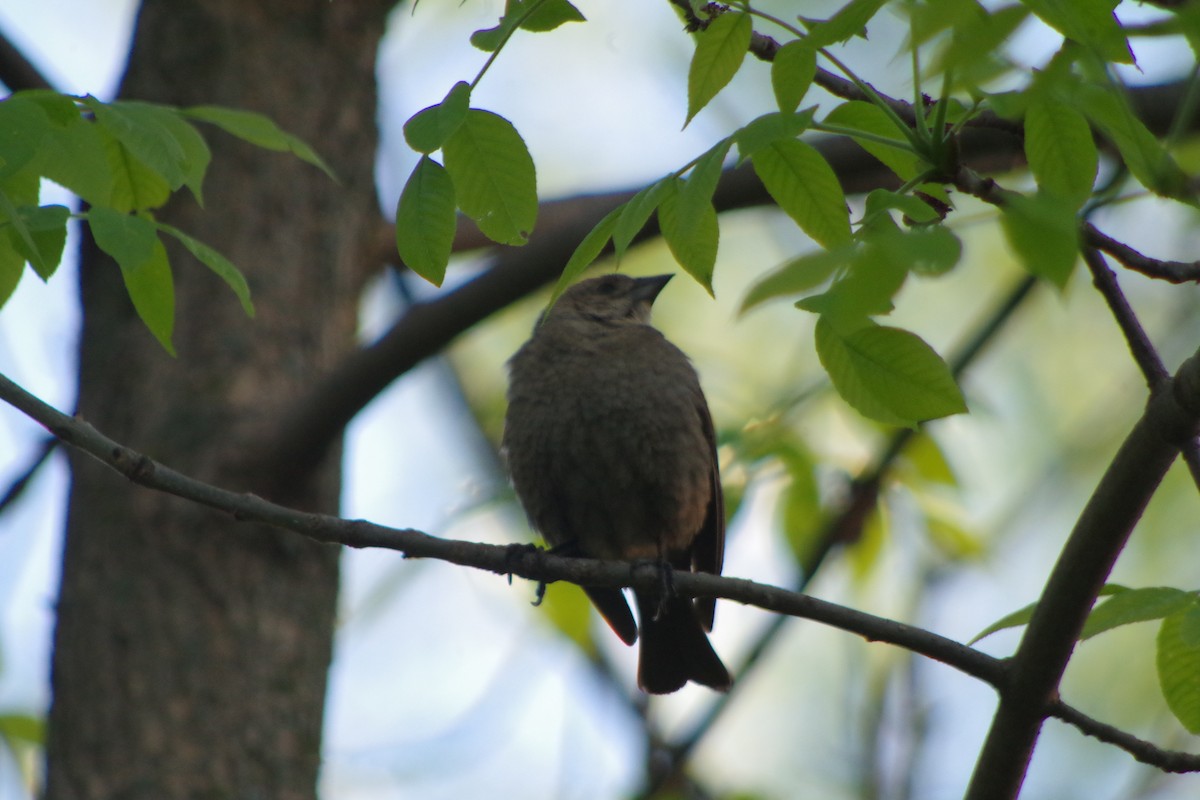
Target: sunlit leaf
770, 128
221, 266
260, 130
850, 20
588, 250
1044, 233
134, 244
798, 275
692, 237
1178, 662
1089, 22
888, 374
792, 73
494, 179
636, 213
720, 50
1136, 605
805, 186
1060, 150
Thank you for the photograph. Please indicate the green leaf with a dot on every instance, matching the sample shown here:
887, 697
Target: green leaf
798, 275
805, 186
1014, 620
78, 158
219, 264
1092, 23
494, 178
24, 126
429, 128
792, 72
587, 251
22, 728
157, 137
974, 52
851, 20
720, 50
12, 267
61, 109
1060, 150
1043, 232
800, 505
259, 130
691, 237
1145, 156
888, 374
40, 234
134, 244
636, 212
425, 221
549, 14
1179, 665
928, 250
770, 128
135, 186
869, 118
914, 208
697, 192
1136, 605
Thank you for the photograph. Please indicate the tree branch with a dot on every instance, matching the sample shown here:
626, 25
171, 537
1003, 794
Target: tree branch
1171, 418
539, 565
16, 71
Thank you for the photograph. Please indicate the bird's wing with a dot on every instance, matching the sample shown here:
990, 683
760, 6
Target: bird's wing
708, 549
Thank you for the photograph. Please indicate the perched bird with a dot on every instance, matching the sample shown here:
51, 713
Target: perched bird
610, 446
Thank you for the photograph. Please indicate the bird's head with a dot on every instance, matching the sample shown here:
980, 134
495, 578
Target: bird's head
611, 299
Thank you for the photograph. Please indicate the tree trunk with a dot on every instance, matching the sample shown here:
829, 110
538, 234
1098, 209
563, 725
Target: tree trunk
191, 652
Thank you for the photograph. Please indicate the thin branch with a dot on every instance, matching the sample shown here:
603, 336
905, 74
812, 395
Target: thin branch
1170, 271
1171, 418
1175, 761
538, 565
1140, 345
524, 561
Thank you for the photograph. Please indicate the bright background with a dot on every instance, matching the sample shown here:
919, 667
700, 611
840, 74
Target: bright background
448, 684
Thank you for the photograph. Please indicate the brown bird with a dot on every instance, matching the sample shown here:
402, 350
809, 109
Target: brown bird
611, 450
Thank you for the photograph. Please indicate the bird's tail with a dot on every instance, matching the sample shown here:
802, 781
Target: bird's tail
675, 649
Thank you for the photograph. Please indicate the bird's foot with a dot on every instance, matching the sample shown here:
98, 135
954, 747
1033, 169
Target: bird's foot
516, 553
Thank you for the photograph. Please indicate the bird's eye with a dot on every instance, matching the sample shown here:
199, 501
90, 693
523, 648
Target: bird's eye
607, 287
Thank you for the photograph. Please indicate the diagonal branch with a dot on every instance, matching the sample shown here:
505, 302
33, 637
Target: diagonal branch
538, 565
1172, 417
16, 71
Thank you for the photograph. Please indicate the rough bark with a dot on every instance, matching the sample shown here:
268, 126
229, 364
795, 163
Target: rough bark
191, 655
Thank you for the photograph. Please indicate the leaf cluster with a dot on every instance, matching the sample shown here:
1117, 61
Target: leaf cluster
124, 159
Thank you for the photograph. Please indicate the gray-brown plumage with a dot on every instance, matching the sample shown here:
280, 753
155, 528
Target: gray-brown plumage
611, 450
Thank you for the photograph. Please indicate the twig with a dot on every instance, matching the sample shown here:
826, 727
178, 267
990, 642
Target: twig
1140, 345
1170, 271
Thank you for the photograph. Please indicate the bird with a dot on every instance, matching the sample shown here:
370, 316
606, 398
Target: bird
610, 446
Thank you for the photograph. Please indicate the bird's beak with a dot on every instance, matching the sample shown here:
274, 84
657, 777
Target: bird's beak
646, 289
